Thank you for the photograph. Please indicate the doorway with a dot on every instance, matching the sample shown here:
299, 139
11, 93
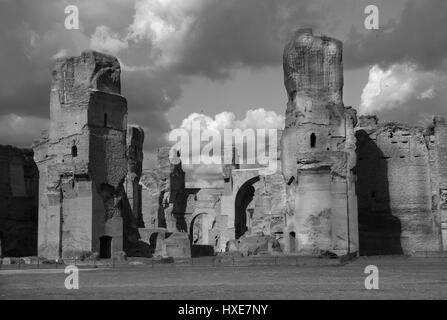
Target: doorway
292, 242
105, 247
244, 197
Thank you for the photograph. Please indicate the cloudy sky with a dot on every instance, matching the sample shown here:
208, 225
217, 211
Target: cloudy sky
220, 60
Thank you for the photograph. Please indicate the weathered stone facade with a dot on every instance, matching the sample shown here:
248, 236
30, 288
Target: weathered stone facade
132, 201
82, 161
318, 148
165, 200
401, 183
19, 179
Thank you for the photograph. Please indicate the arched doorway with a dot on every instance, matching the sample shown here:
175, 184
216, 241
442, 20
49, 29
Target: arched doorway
292, 242
105, 247
195, 229
243, 198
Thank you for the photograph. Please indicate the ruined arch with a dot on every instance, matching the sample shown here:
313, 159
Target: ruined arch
292, 241
191, 226
243, 198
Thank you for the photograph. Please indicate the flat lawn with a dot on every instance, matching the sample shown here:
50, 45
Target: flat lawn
400, 278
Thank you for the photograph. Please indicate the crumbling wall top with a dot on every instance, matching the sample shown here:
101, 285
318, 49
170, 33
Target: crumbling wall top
368, 121
90, 70
313, 67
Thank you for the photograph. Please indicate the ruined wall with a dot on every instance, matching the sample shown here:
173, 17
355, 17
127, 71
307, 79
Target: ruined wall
202, 216
151, 198
132, 202
318, 148
343, 186
82, 161
19, 178
438, 160
164, 207
135, 141
398, 187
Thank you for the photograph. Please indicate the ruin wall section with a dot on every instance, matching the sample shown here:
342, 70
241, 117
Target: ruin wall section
401, 177
19, 178
82, 160
318, 148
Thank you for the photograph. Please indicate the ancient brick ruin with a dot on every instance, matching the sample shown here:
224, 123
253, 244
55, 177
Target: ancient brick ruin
82, 161
19, 184
345, 184
401, 187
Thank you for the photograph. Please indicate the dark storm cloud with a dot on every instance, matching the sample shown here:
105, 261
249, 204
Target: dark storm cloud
224, 35
150, 96
234, 33
418, 40
418, 36
33, 32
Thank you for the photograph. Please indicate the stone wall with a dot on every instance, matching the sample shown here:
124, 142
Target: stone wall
132, 202
438, 161
318, 148
164, 206
398, 187
202, 216
82, 160
18, 202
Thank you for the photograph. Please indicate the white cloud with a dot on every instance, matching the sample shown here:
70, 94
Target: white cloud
107, 41
62, 53
394, 87
162, 23
254, 119
428, 94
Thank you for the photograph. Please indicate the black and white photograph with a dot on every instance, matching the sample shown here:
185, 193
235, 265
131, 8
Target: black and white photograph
217, 157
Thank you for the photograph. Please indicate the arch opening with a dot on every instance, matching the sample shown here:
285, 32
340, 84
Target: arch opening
243, 198
292, 242
195, 229
105, 247
313, 140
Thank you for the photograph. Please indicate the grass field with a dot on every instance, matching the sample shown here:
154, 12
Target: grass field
399, 278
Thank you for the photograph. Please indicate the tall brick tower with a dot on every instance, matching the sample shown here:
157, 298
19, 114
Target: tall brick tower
82, 161
318, 148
